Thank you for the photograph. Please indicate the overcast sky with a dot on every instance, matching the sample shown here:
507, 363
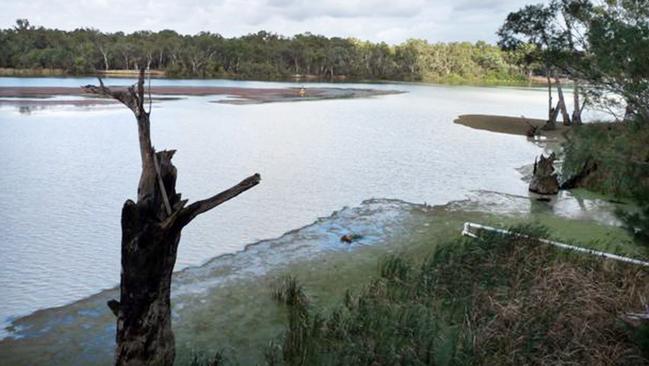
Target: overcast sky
392, 21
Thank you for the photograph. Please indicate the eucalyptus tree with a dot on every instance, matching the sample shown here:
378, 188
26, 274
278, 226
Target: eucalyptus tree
603, 46
617, 32
261, 55
536, 25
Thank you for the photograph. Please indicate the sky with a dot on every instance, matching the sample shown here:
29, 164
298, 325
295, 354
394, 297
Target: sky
391, 21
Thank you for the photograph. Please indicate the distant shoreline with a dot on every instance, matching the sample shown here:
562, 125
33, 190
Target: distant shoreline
305, 78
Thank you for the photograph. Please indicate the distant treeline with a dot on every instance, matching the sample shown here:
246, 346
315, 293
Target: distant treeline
261, 55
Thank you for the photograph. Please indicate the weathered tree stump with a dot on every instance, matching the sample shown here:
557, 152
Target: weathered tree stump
544, 180
151, 229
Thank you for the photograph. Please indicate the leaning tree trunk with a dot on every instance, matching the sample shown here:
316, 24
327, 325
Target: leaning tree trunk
104, 54
562, 103
151, 229
552, 116
554, 113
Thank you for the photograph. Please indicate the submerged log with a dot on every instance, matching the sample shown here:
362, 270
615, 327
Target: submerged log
151, 228
544, 180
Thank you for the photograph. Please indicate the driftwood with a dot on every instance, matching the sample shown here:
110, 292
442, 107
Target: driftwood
544, 180
532, 130
151, 229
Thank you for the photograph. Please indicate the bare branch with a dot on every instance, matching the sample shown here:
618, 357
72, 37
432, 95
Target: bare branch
199, 207
140, 91
125, 97
161, 185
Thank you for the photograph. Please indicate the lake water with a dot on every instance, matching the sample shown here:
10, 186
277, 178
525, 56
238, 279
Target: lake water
67, 170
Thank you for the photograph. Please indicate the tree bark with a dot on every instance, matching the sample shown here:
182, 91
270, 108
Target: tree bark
554, 115
151, 229
544, 180
104, 54
562, 103
550, 110
576, 112
550, 124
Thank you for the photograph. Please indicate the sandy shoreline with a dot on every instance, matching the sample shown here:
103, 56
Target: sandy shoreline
238, 95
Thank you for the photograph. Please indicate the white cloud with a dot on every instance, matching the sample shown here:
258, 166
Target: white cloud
391, 21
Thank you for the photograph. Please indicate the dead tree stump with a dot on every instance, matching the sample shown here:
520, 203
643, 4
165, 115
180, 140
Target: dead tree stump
151, 229
544, 180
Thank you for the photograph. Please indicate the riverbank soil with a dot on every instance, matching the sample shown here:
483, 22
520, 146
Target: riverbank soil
236, 95
509, 125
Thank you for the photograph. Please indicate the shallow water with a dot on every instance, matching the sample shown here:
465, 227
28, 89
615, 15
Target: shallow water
67, 171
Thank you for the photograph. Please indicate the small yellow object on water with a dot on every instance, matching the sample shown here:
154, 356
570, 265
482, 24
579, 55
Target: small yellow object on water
302, 92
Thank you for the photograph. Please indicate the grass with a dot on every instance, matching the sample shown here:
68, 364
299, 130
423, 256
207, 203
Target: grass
494, 301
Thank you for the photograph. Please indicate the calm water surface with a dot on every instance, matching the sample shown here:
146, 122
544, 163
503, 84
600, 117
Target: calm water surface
66, 171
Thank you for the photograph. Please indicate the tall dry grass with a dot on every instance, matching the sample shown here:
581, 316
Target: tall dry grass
494, 301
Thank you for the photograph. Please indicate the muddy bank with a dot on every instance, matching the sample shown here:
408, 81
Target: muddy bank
508, 125
33, 103
215, 306
236, 95
255, 96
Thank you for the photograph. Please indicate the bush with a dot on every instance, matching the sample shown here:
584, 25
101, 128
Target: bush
617, 154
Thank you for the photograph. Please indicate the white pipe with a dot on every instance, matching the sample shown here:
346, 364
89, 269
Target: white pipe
468, 225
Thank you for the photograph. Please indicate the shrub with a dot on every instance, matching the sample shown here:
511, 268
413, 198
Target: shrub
617, 154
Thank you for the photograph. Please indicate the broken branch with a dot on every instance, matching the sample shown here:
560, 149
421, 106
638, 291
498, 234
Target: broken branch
199, 207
